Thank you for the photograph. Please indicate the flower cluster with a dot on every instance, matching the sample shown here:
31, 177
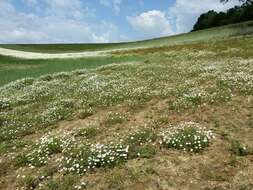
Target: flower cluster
57, 111
85, 157
4, 103
45, 147
114, 118
187, 136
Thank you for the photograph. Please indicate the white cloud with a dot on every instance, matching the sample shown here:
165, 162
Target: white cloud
151, 24
184, 13
115, 4
68, 8
64, 22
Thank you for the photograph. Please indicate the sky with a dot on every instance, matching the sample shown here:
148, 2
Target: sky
99, 21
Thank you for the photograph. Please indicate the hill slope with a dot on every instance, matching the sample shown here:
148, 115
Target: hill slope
12, 68
198, 36
178, 118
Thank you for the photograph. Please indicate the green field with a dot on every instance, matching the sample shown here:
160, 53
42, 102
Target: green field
12, 68
161, 117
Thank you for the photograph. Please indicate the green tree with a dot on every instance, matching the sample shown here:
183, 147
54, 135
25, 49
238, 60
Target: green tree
233, 15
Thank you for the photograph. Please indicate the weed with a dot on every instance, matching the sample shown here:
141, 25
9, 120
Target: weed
88, 132
85, 113
114, 118
239, 149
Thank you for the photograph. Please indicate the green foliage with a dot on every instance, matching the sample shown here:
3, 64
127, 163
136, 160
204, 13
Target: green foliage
146, 151
29, 182
187, 136
85, 113
140, 143
82, 158
42, 151
233, 15
189, 140
141, 137
88, 132
67, 182
114, 118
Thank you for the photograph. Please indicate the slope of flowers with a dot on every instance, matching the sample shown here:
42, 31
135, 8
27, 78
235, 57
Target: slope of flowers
51, 98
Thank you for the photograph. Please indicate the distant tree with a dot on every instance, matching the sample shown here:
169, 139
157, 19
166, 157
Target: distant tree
224, 1
233, 15
205, 20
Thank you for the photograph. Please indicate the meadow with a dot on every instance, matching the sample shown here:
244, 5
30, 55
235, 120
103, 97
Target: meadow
12, 68
161, 117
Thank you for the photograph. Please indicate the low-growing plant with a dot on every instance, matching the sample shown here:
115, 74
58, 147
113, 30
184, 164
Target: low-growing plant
67, 182
139, 143
29, 182
141, 137
146, 151
57, 111
47, 146
88, 132
21, 160
187, 136
4, 104
85, 113
239, 149
81, 158
116, 178
161, 120
114, 118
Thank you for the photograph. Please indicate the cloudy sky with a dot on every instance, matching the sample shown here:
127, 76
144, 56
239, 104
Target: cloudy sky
98, 21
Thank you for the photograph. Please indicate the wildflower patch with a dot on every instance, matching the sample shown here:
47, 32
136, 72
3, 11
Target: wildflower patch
187, 136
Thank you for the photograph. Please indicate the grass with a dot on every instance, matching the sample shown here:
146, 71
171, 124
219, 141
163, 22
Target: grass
180, 112
12, 69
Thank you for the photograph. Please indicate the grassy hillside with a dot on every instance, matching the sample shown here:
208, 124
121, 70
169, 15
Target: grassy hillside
214, 33
12, 69
180, 117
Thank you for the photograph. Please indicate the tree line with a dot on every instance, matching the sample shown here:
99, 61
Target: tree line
233, 15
